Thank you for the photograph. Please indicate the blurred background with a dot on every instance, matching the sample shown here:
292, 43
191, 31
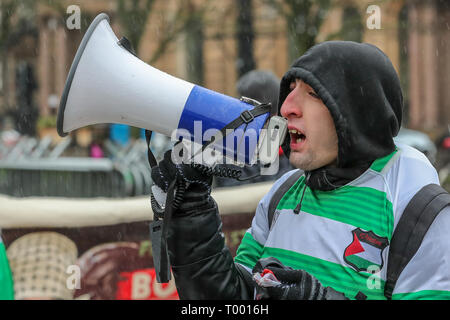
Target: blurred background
212, 43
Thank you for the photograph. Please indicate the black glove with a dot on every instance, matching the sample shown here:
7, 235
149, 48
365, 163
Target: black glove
295, 284
167, 171
178, 190
194, 191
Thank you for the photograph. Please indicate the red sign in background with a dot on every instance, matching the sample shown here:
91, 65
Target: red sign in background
116, 261
142, 285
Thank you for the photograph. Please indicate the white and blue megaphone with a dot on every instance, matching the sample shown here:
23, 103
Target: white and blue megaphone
108, 84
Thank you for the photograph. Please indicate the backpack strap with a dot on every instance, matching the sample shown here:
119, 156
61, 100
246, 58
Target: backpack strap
411, 229
279, 193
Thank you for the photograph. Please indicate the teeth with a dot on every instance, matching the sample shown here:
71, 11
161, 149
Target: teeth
300, 138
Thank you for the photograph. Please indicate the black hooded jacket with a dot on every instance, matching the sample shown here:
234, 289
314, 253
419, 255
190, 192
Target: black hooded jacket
361, 89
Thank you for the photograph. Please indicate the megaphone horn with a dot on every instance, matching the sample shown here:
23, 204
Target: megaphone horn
108, 84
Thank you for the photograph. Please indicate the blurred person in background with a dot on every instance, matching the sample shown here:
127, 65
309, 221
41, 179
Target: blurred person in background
9, 135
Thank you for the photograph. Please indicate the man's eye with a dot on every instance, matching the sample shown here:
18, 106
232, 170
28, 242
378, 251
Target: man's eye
314, 95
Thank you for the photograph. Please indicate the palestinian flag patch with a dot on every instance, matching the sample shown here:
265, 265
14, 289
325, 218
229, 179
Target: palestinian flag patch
365, 250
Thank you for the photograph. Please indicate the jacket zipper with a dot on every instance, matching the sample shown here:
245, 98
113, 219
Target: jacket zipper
299, 206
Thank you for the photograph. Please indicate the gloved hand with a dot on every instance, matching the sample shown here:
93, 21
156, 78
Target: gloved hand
178, 190
295, 284
196, 191
167, 171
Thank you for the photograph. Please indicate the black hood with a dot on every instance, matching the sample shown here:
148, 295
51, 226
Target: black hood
361, 89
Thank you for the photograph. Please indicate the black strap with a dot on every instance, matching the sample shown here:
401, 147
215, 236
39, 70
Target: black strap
151, 157
279, 193
246, 117
158, 235
411, 229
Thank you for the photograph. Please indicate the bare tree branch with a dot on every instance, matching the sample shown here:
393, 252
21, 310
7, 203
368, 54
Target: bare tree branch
185, 14
133, 15
303, 18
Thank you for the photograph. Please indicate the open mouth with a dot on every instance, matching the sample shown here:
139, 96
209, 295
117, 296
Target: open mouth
296, 136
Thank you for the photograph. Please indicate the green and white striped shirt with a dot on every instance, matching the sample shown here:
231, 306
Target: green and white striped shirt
342, 236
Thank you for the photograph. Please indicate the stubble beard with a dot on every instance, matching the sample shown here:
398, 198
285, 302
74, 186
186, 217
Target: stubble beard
303, 162
308, 161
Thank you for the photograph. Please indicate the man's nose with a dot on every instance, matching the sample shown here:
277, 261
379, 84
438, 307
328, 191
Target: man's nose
291, 107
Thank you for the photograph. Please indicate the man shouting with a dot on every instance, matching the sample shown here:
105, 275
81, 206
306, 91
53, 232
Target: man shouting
331, 229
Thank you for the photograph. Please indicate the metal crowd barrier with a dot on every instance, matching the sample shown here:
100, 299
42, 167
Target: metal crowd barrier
33, 168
